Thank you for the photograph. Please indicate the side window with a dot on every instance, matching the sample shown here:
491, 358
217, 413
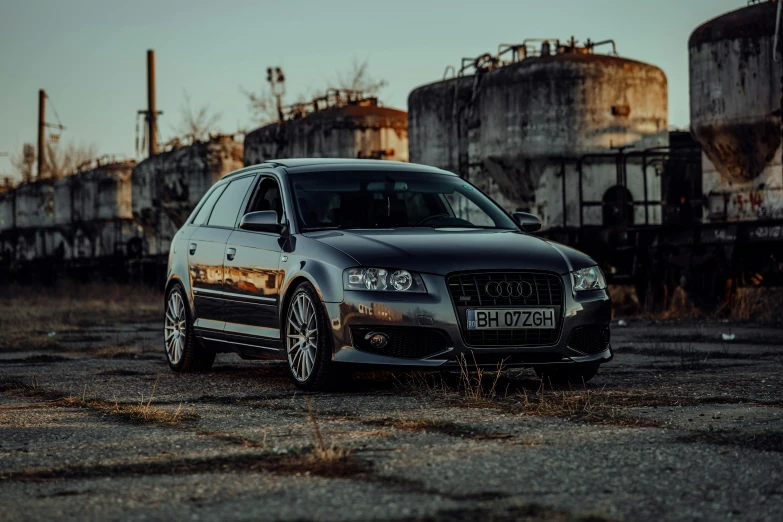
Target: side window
206, 208
227, 207
267, 197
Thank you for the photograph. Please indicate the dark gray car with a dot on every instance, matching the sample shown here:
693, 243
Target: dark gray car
338, 264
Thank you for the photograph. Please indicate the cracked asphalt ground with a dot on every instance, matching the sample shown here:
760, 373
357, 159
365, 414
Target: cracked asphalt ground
680, 426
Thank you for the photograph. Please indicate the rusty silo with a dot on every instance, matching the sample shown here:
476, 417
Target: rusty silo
92, 210
34, 220
524, 117
166, 187
334, 126
735, 92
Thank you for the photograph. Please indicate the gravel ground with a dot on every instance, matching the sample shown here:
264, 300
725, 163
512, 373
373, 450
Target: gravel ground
682, 425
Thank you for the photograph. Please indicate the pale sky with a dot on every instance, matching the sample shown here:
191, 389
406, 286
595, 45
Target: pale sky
90, 55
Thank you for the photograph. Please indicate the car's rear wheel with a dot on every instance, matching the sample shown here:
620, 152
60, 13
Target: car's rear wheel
183, 351
307, 341
574, 374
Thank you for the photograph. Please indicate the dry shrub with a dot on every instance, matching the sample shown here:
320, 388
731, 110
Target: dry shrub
625, 302
680, 307
762, 304
29, 313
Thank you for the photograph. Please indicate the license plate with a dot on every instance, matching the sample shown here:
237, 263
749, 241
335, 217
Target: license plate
509, 319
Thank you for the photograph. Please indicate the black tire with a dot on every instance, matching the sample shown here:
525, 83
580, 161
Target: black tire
573, 374
194, 357
324, 373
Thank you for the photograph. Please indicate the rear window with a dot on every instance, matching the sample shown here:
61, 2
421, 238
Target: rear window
230, 201
206, 208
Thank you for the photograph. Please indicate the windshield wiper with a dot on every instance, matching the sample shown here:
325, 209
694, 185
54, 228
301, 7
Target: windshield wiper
315, 229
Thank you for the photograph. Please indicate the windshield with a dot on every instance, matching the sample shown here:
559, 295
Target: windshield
388, 199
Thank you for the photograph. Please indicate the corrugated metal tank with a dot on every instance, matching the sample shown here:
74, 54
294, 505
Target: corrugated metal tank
735, 94
359, 130
167, 187
522, 126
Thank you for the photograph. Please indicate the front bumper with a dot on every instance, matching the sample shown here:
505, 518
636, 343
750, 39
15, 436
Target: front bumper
435, 310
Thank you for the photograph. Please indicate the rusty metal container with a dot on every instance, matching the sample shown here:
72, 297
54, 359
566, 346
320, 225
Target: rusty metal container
166, 187
524, 117
332, 127
735, 94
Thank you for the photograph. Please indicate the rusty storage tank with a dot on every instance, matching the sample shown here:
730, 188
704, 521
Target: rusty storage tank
531, 112
92, 209
166, 187
735, 113
333, 126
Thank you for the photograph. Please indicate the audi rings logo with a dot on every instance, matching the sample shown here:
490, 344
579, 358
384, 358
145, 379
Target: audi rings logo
496, 289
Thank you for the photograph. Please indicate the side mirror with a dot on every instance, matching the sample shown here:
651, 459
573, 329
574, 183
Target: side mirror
527, 221
263, 221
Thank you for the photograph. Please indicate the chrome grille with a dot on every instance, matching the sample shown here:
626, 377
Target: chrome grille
468, 290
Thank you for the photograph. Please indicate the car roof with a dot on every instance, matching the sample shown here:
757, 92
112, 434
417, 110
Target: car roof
296, 165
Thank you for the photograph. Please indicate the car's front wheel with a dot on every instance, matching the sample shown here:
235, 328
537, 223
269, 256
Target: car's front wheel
307, 342
574, 374
183, 352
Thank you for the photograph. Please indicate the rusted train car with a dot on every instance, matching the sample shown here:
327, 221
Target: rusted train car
72, 224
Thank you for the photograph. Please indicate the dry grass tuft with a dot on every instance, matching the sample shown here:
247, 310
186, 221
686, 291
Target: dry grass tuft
143, 412
472, 382
29, 314
321, 453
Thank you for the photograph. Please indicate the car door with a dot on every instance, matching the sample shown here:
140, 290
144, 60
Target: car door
252, 273
206, 249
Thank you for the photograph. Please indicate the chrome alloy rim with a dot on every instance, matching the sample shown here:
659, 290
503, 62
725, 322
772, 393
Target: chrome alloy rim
301, 336
175, 327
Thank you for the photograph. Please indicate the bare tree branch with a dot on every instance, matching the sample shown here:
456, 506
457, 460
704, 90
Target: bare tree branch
23, 161
62, 160
357, 79
262, 105
196, 125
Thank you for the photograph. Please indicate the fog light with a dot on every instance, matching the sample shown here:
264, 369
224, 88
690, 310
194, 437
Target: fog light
377, 339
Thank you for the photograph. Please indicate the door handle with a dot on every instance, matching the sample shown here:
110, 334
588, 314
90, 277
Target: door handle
193, 248
230, 253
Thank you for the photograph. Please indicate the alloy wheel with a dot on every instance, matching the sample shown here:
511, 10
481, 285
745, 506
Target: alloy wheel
301, 336
175, 327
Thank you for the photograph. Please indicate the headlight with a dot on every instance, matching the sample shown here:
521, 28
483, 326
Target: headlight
383, 280
588, 279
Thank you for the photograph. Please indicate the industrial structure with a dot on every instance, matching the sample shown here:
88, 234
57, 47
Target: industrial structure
569, 131
341, 124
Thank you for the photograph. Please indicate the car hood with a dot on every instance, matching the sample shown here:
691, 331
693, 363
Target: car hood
441, 251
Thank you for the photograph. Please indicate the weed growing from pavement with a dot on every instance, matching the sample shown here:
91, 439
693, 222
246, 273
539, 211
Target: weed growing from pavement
321, 453
143, 412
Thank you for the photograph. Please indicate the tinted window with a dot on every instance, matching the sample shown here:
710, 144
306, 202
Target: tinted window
206, 208
390, 199
267, 197
227, 207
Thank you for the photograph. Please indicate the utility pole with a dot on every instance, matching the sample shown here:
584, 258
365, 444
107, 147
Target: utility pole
152, 114
276, 79
41, 132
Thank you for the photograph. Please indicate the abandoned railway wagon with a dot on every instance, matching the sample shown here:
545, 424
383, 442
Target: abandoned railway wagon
165, 189
338, 125
82, 220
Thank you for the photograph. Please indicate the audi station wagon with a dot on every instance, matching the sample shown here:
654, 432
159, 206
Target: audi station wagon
337, 265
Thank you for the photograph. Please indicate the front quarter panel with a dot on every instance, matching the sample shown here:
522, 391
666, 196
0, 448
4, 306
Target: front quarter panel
322, 265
